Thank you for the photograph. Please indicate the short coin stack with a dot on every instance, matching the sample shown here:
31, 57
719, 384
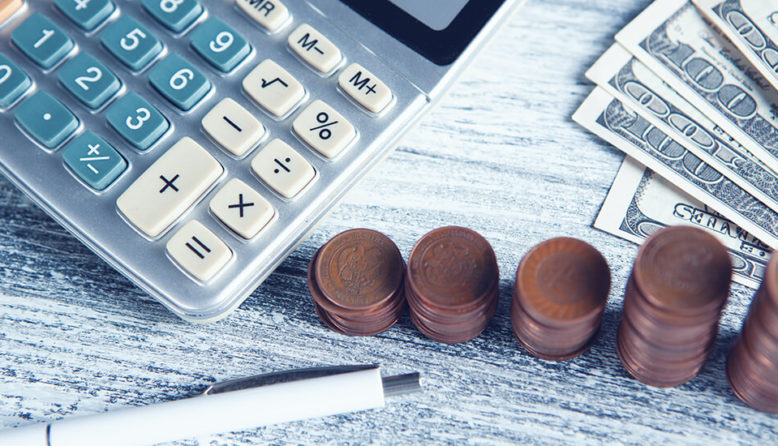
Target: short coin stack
672, 305
452, 284
559, 296
752, 365
356, 280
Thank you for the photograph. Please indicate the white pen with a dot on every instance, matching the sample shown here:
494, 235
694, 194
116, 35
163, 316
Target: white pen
229, 406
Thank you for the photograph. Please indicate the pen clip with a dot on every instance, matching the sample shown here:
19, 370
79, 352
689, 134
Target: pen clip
267, 379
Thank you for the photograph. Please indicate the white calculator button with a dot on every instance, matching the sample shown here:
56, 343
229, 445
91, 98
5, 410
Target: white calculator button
233, 127
365, 88
269, 14
283, 169
314, 48
198, 251
168, 187
273, 88
241, 208
324, 129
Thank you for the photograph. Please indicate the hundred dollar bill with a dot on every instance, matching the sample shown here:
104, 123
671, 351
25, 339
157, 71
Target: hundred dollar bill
627, 79
752, 26
640, 202
672, 39
621, 126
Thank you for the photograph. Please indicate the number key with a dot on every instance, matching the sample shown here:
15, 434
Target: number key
86, 13
42, 41
175, 15
13, 82
137, 121
131, 42
219, 44
179, 81
89, 80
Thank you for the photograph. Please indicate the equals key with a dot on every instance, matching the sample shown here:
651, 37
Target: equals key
232, 127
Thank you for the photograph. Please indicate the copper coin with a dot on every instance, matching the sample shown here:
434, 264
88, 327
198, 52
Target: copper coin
451, 267
759, 368
647, 375
420, 306
654, 316
746, 385
358, 269
662, 354
549, 338
683, 268
563, 281
447, 338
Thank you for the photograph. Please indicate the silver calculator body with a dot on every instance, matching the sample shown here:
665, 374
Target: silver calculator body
412, 49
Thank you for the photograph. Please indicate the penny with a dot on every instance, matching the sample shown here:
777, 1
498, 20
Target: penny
684, 269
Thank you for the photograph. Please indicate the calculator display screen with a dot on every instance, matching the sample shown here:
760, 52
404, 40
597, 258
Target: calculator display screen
437, 29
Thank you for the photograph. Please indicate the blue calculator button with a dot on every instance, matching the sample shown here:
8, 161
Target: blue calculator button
46, 119
175, 15
137, 121
13, 82
94, 160
179, 81
86, 13
89, 80
131, 42
219, 44
42, 41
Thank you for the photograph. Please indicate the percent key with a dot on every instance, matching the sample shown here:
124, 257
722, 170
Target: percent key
324, 129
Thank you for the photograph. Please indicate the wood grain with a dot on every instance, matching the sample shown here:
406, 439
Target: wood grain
499, 155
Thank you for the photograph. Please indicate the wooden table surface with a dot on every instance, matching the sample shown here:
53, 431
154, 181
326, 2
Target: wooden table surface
500, 155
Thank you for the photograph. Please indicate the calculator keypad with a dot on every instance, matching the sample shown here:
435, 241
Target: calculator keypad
324, 129
42, 41
175, 15
13, 82
271, 15
179, 81
314, 48
46, 119
241, 208
273, 88
139, 122
219, 44
93, 160
89, 80
233, 127
87, 14
282, 168
130, 42
198, 251
169, 187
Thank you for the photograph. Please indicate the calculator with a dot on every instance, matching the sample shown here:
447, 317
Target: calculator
193, 144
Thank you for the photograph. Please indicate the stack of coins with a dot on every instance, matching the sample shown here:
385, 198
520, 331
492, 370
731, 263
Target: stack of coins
673, 302
559, 296
452, 284
356, 280
752, 365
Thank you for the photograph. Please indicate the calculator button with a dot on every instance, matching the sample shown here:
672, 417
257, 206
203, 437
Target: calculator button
8, 7
169, 186
139, 122
269, 14
46, 119
314, 48
233, 127
176, 15
13, 82
283, 169
94, 160
241, 208
179, 81
324, 129
365, 88
42, 41
219, 44
86, 13
89, 80
131, 43
198, 251
273, 88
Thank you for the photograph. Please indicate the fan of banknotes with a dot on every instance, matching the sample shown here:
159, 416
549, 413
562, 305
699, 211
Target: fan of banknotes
689, 92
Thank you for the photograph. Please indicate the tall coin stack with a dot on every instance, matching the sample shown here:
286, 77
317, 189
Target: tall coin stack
356, 280
752, 365
559, 296
452, 284
673, 302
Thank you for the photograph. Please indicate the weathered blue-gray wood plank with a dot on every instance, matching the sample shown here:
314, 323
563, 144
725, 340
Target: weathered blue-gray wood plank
500, 155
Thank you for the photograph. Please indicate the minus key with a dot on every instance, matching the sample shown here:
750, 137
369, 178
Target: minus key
232, 127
